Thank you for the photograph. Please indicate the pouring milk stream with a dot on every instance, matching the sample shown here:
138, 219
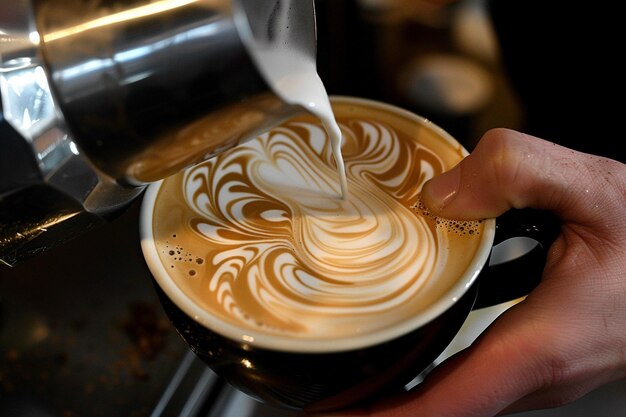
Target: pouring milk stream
292, 73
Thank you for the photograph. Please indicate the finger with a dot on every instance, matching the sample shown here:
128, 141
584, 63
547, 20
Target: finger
543, 399
565, 392
502, 366
509, 169
549, 398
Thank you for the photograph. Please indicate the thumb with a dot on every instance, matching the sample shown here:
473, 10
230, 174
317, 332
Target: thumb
507, 169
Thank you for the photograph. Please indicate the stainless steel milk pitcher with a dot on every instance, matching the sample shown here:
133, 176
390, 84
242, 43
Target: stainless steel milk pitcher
100, 97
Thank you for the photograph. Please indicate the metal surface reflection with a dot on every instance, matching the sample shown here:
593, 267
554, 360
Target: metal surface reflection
99, 98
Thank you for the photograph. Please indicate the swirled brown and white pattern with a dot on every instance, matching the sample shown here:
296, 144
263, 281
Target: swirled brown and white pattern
260, 237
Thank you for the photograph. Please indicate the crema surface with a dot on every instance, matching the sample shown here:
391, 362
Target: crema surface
259, 236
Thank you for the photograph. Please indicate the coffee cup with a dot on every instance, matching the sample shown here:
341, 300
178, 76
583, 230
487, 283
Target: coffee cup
303, 299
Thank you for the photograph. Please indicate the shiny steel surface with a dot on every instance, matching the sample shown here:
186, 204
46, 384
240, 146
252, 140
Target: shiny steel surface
48, 190
141, 83
99, 98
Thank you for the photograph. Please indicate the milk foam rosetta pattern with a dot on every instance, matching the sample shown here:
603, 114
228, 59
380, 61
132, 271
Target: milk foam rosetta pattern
279, 239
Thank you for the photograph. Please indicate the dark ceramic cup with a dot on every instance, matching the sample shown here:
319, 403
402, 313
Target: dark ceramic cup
328, 374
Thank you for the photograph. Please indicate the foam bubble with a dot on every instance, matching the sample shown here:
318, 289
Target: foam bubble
458, 227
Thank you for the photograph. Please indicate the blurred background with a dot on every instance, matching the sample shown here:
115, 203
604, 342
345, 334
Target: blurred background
438, 58
81, 330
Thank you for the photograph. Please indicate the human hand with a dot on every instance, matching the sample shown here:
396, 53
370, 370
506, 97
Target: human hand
569, 335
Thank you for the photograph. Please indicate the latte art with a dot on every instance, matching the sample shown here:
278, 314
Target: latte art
260, 237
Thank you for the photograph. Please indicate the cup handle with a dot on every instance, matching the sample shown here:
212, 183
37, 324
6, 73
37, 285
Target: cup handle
515, 278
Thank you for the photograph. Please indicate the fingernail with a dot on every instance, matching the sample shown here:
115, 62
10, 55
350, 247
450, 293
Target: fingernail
441, 190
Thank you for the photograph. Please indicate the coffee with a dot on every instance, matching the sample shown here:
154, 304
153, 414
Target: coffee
260, 238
